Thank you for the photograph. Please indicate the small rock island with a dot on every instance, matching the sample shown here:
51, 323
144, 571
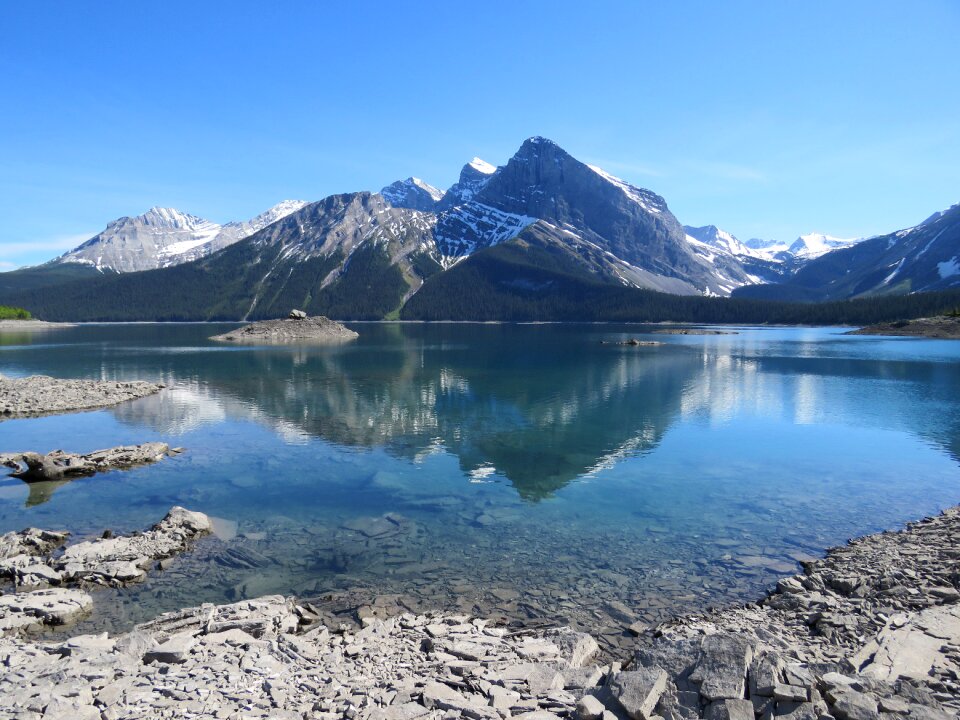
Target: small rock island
296, 328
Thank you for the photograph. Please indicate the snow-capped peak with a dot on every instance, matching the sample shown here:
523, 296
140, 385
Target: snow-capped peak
482, 166
813, 245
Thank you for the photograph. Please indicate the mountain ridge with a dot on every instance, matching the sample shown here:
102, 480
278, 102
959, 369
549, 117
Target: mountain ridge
551, 219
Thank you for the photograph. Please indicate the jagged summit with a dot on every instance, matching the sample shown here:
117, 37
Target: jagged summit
412, 193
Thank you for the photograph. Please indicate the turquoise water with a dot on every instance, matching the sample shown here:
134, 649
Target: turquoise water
532, 471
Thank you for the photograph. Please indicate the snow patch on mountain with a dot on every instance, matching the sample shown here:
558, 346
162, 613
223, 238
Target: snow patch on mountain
644, 198
474, 225
482, 166
949, 268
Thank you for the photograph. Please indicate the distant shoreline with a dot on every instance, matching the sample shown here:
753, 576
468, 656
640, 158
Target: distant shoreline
935, 328
32, 325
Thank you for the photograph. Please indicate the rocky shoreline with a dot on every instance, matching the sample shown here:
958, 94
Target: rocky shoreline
297, 328
42, 395
870, 631
939, 328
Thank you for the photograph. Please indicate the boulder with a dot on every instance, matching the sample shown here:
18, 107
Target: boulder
722, 669
639, 691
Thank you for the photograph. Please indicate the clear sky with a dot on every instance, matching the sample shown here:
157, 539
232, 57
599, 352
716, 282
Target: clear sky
767, 118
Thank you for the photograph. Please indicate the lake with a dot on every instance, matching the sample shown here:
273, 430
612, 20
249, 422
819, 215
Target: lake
532, 473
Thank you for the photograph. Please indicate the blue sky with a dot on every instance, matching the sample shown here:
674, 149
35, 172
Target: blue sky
766, 118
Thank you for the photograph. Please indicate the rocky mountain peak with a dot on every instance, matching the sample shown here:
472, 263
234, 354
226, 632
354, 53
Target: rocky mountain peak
412, 193
165, 217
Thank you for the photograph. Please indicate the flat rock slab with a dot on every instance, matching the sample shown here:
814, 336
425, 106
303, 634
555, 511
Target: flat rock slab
291, 330
56, 606
42, 395
913, 650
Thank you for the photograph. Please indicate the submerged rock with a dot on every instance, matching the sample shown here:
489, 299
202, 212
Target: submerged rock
60, 465
294, 329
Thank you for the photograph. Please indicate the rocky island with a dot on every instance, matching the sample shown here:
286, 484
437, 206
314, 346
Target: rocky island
296, 328
942, 327
41, 395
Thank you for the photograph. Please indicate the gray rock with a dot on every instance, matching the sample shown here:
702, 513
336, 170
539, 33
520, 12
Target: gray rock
853, 705
796, 711
790, 693
56, 606
766, 673
31, 542
297, 315
639, 691
722, 669
174, 650
589, 708
730, 709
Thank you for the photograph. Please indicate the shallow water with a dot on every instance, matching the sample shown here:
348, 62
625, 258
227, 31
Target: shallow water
530, 471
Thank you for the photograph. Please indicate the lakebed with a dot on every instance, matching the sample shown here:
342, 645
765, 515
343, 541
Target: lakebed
531, 476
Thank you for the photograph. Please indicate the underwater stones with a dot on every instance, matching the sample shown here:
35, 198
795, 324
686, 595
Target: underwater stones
372, 527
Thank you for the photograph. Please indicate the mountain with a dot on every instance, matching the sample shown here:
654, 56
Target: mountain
761, 264
543, 236
412, 193
162, 237
922, 258
639, 240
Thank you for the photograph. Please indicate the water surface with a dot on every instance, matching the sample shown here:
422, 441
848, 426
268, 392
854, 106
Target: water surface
526, 471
